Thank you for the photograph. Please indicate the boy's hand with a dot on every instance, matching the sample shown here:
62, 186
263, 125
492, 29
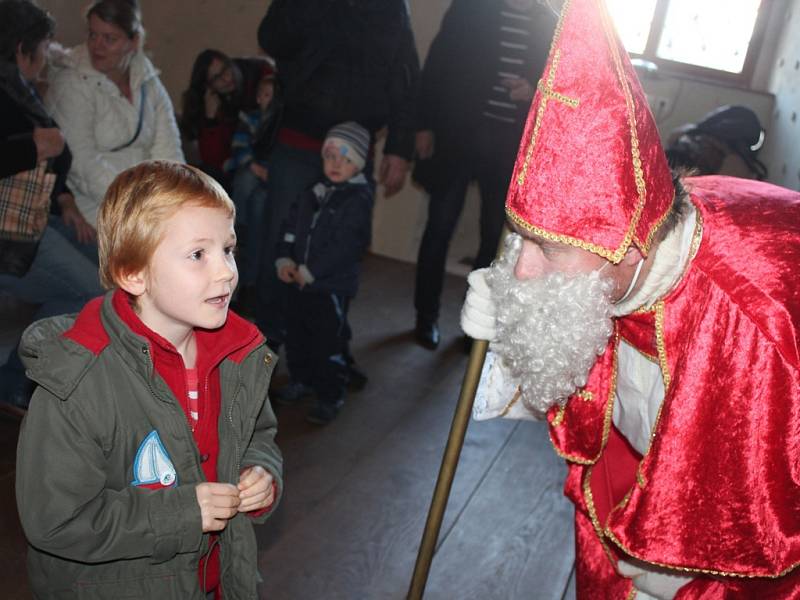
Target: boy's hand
288, 273
256, 489
218, 503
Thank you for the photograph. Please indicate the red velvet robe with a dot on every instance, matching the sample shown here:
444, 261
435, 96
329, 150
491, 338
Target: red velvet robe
717, 494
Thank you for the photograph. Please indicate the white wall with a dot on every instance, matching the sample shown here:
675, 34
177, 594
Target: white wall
781, 151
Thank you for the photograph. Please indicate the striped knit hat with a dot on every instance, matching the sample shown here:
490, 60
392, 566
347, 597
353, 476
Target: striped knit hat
351, 140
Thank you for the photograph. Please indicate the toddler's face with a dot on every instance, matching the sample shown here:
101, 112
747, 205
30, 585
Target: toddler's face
264, 96
337, 167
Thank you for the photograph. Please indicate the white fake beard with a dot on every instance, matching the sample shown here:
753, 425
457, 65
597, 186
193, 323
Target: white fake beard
550, 329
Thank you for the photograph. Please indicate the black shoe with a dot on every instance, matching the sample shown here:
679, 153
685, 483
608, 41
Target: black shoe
324, 412
292, 393
427, 334
356, 379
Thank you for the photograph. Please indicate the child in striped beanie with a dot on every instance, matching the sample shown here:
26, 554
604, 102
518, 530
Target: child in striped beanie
321, 246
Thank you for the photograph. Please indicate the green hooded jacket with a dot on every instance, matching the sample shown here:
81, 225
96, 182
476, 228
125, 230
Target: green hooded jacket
92, 533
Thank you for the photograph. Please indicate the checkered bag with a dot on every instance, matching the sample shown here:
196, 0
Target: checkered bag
25, 204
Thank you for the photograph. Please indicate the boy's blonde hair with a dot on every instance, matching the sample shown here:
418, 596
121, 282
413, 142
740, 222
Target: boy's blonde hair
135, 207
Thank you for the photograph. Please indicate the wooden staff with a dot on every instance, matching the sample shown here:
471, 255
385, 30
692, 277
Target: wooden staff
447, 471
452, 452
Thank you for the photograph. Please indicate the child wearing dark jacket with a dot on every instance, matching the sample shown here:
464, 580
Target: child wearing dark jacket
322, 243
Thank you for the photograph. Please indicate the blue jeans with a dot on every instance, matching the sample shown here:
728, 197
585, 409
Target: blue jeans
250, 198
89, 250
60, 280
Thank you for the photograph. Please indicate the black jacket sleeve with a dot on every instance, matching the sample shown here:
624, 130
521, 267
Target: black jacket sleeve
403, 89
17, 148
440, 63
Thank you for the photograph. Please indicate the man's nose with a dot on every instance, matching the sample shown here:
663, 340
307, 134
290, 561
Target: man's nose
529, 263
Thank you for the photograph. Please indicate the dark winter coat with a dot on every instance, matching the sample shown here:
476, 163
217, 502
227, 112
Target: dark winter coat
460, 69
328, 230
345, 60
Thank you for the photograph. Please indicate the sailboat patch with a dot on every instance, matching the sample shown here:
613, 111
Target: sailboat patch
152, 467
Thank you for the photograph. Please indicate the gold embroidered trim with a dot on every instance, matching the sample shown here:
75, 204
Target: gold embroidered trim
606, 421
608, 533
556, 54
662, 347
585, 395
547, 93
558, 420
697, 237
547, 89
612, 255
598, 528
632, 594
652, 358
513, 401
635, 156
649, 240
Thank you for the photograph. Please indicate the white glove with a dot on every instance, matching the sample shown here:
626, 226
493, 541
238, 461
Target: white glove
650, 583
478, 312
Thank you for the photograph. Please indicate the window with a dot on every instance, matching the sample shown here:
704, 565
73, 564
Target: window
717, 39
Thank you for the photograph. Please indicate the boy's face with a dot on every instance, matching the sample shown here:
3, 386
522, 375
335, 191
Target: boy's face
337, 167
191, 275
264, 95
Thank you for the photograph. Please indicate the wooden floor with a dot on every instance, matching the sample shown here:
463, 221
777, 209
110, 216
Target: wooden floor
358, 490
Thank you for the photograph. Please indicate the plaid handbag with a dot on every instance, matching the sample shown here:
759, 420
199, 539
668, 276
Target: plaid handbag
24, 209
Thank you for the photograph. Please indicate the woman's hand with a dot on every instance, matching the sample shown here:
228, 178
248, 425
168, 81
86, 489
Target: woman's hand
49, 142
73, 218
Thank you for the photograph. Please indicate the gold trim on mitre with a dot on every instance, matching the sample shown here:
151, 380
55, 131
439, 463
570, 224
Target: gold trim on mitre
614, 256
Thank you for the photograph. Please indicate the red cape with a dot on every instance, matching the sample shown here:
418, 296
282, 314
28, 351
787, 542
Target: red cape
716, 495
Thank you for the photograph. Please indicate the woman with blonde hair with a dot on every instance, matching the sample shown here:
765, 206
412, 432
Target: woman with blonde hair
112, 106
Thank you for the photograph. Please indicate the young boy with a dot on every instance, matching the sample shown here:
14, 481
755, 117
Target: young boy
250, 185
323, 240
148, 450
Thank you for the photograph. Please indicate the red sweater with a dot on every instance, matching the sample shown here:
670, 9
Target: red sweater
169, 365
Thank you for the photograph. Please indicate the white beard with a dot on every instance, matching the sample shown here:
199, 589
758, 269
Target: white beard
550, 330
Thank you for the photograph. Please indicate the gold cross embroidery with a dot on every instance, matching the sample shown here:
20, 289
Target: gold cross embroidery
547, 93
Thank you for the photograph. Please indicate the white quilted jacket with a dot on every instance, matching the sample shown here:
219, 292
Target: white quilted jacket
95, 118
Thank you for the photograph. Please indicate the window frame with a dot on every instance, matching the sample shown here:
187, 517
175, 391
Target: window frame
670, 67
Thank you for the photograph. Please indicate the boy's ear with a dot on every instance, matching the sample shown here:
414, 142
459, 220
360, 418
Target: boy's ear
135, 283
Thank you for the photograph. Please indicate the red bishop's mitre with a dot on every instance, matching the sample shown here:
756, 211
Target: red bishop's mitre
590, 170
